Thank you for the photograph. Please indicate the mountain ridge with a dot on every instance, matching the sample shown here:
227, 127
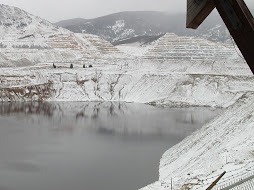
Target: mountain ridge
120, 26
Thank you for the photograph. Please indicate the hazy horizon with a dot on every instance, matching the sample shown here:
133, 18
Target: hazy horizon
58, 10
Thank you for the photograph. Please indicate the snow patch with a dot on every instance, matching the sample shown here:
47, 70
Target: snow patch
118, 27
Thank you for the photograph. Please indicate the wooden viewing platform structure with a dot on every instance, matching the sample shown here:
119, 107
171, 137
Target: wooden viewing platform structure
235, 15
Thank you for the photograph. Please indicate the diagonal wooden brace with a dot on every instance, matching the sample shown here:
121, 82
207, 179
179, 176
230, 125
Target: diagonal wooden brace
240, 24
197, 11
235, 15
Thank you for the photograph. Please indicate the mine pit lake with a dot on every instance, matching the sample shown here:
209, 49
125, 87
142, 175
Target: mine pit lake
89, 146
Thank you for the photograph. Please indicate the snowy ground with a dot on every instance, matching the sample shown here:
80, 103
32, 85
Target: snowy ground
198, 83
133, 49
224, 144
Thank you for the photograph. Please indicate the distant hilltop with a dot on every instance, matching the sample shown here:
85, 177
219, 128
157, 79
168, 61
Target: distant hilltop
126, 25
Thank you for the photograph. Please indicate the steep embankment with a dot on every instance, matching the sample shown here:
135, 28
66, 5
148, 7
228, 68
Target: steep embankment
163, 83
224, 144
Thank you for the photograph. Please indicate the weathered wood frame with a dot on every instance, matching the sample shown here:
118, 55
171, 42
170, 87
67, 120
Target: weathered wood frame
235, 15
197, 12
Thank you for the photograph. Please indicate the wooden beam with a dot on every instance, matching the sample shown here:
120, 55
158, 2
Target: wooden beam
197, 11
240, 24
216, 181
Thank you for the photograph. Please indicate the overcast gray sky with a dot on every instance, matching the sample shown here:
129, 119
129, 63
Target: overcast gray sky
56, 10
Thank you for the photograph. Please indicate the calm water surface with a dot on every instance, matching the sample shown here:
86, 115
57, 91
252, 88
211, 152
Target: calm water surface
89, 146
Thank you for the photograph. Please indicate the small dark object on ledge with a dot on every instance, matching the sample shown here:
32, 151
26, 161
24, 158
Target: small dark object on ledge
90, 66
54, 65
71, 66
84, 66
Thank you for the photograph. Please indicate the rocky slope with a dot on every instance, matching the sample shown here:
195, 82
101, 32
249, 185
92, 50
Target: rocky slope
224, 144
16, 23
126, 25
175, 70
60, 48
27, 39
197, 83
171, 46
5, 62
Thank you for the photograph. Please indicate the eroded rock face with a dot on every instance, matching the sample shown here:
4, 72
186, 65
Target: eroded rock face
27, 93
165, 83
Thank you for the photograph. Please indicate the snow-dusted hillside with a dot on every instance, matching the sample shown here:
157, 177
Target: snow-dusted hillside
122, 26
134, 49
60, 48
224, 144
203, 83
16, 23
86, 45
27, 37
171, 46
174, 70
5, 62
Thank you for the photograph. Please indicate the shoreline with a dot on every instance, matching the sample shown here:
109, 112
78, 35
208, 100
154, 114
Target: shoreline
225, 143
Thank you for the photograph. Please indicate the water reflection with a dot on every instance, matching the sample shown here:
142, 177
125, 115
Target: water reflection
24, 166
27, 108
80, 145
4, 188
111, 117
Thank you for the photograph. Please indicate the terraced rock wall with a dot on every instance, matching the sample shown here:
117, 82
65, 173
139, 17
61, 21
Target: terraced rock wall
171, 46
130, 86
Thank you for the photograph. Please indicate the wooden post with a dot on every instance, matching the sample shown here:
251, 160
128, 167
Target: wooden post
216, 181
235, 15
240, 24
197, 11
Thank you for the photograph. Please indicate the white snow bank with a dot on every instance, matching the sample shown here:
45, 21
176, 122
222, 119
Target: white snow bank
224, 144
156, 83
